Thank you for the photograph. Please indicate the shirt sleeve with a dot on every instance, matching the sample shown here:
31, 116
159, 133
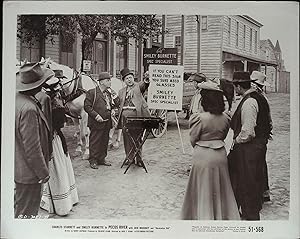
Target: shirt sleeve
195, 128
143, 86
248, 120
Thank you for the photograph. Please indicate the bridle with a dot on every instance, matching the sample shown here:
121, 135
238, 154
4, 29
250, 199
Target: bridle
76, 74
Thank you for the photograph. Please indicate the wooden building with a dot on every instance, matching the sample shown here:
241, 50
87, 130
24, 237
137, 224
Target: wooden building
215, 45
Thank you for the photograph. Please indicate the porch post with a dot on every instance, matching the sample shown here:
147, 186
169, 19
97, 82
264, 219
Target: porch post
265, 69
198, 43
276, 78
140, 55
112, 57
163, 31
182, 40
245, 65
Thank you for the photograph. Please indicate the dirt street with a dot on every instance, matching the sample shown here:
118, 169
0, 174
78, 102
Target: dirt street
108, 193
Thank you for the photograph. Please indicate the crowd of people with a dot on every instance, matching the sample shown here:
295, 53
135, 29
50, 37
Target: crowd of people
220, 186
232, 187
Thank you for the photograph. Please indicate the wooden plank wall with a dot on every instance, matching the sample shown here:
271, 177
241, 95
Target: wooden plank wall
271, 71
210, 43
53, 50
211, 47
232, 45
190, 50
284, 82
173, 27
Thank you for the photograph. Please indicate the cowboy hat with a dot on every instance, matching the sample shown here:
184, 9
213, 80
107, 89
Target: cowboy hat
31, 76
241, 76
209, 85
198, 77
259, 78
125, 72
52, 84
103, 76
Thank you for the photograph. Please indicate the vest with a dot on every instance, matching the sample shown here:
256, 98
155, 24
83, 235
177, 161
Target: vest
263, 128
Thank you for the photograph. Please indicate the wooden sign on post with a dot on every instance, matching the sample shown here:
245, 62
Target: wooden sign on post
87, 65
166, 87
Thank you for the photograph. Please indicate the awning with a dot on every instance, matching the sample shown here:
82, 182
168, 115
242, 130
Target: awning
228, 56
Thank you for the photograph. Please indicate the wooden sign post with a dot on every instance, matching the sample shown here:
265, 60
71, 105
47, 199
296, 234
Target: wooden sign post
166, 89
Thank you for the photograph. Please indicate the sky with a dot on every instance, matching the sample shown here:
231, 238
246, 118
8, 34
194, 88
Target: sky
280, 22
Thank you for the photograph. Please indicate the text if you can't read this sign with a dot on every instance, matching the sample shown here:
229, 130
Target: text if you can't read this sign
166, 87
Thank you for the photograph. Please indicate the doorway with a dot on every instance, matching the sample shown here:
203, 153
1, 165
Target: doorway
99, 57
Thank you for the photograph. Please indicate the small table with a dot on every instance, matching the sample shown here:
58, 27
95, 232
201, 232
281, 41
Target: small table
145, 124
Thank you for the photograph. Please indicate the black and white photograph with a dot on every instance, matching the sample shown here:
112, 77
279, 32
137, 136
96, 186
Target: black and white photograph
150, 119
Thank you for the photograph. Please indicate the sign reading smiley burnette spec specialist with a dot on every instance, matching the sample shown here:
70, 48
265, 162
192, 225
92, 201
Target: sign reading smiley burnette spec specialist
160, 56
166, 87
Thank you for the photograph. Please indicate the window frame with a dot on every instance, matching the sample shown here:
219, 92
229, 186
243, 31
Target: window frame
237, 34
204, 24
229, 30
244, 37
251, 40
255, 40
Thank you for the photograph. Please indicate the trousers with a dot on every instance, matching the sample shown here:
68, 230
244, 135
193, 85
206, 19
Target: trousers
246, 170
27, 200
98, 144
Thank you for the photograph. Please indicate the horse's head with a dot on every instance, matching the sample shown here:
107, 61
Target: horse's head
69, 75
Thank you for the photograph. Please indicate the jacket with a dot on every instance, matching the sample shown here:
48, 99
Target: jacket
32, 140
137, 99
95, 104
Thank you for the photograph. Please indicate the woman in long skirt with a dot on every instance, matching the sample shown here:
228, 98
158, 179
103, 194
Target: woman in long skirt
60, 192
209, 195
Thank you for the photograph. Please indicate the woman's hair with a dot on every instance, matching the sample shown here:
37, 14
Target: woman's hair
212, 101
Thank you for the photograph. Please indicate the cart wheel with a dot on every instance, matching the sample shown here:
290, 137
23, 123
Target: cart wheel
157, 133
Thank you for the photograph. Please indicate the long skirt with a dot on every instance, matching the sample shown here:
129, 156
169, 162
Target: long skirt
60, 192
209, 195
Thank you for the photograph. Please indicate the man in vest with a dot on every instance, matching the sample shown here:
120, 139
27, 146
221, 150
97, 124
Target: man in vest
260, 81
252, 129
98, 105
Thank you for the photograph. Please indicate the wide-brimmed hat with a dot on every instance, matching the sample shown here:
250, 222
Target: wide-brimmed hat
103, 76
125, 72
209, 85
59, 74
241, 76
52, 84
198, 77
31, 76
259, 78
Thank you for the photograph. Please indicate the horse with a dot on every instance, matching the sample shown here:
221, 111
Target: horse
228, 89
74, 87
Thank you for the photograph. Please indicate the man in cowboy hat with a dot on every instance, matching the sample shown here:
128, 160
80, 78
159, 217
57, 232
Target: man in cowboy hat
32, 140
252, 129
260, 81
132, 103
197, 78
98, 105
